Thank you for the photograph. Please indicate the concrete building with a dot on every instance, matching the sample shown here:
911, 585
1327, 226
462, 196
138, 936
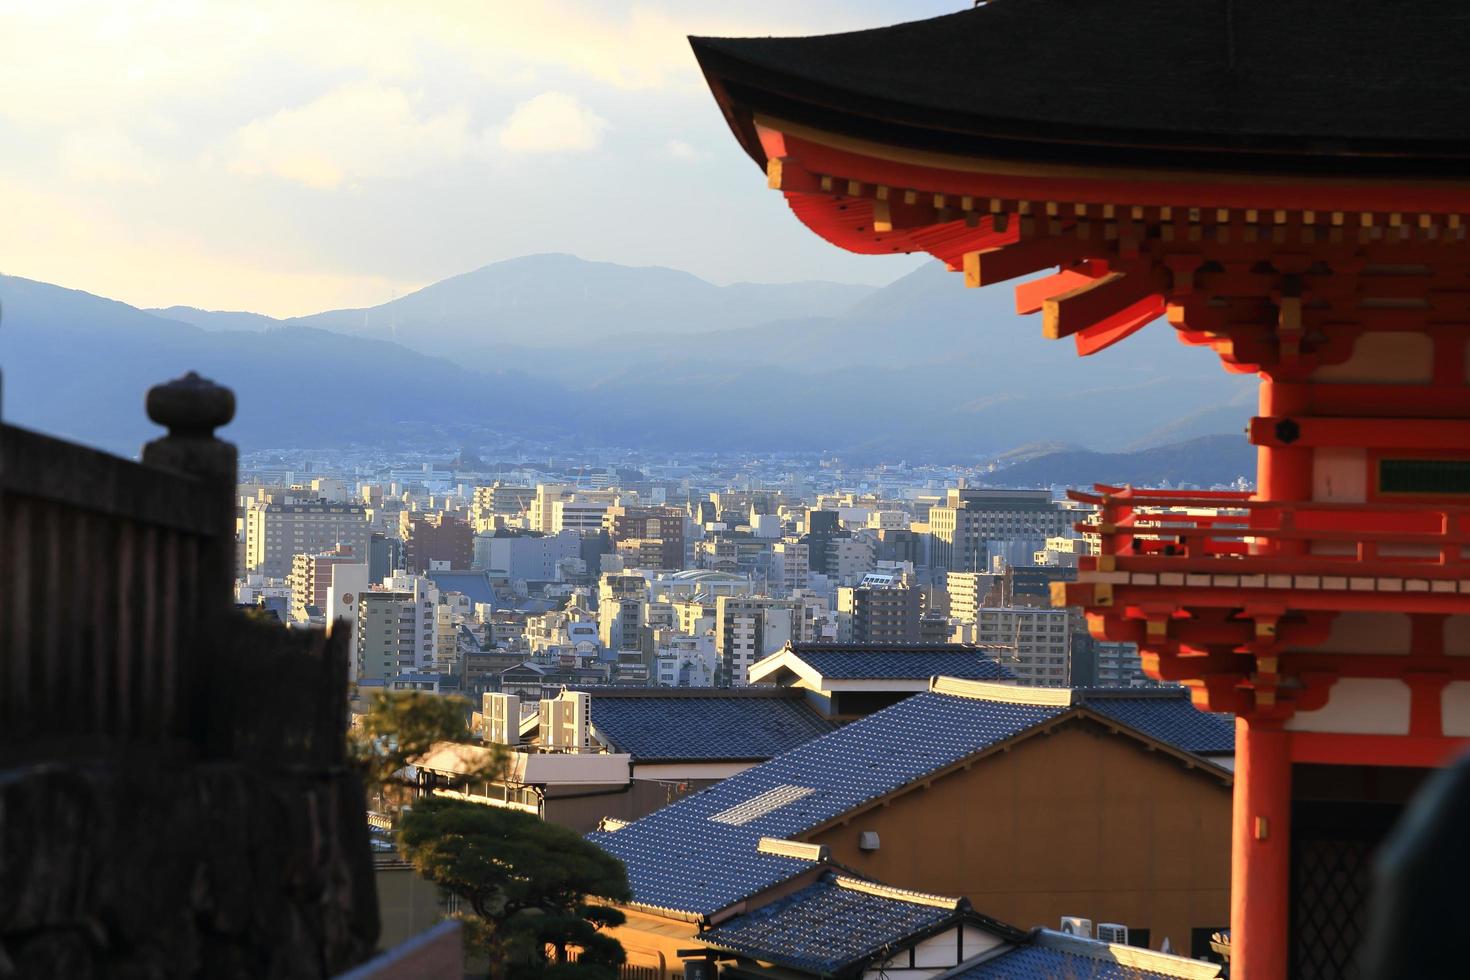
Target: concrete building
850, 558
968, 591
576, 515
278, 528
347, 583
749, 628
430, 538
620, 606
880, 613
526, 556
973, 522
1039, 638
396, 627
492, 506
311, 581
660, 531
790, 564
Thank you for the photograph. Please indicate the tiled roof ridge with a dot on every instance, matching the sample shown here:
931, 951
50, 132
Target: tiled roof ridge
754, 691
899, 894
915, 646
1109, 693
1136, 957
1053, 697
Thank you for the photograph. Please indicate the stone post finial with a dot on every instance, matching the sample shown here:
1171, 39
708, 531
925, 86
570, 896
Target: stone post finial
191, 407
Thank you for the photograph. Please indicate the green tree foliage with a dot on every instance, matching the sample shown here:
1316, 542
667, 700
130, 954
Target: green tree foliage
402, 726
528, 883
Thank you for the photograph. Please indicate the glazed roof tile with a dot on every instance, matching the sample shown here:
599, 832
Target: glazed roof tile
699, 855
706, 728
1167, 716
831, 925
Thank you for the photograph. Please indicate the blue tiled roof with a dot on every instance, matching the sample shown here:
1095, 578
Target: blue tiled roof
1170, 718
827, 927
705, 728
1035, 962
698, 855
841, 663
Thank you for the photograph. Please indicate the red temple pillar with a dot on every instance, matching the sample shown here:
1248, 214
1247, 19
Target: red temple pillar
1260, 879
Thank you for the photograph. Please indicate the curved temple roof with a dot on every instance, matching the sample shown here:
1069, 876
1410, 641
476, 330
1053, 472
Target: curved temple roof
1355, 87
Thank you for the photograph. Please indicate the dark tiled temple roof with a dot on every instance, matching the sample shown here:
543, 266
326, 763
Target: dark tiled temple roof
835, 924
1363, 86
711, 726
899, 661
1165, 715
698, 855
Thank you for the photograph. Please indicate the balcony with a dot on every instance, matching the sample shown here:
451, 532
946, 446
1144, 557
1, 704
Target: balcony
1187, 549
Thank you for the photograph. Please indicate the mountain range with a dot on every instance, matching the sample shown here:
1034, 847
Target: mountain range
554, 348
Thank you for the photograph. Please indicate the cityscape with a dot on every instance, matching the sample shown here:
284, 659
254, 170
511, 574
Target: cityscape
604, 511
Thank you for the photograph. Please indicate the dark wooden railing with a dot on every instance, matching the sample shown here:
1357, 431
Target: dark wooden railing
185, 760
116, 581
100, 592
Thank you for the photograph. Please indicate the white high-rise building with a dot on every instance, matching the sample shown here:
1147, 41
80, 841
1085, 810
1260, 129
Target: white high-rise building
396, 627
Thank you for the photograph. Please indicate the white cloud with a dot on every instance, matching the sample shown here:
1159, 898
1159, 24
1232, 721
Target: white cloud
680, 150
359, 131
106, 155
552, 122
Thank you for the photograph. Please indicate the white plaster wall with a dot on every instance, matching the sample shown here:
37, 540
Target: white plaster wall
1454, 706
1340, 475
1359, 706
1384, 357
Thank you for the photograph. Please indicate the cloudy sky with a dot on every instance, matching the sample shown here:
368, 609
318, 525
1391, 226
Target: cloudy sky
288, 157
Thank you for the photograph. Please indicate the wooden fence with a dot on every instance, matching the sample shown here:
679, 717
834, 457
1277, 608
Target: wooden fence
117, 627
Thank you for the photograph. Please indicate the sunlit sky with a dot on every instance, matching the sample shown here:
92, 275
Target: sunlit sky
298, 156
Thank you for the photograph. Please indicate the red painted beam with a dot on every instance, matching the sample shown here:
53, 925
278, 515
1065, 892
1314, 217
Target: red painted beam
1341, 749
1354, 433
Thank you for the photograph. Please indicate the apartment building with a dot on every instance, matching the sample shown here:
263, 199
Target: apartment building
526, 556
879, 613
311, 581
278, 528
1039, 642
968, 591
431, 538
492, 506
659, 531
748, 628
790, 564
396, 627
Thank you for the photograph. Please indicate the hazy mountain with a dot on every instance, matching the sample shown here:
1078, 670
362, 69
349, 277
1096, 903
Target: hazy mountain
217, 319
1212, 460
554, 301
78, 366
922, 368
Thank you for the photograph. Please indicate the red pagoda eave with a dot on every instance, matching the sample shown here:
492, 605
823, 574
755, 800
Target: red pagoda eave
845, 158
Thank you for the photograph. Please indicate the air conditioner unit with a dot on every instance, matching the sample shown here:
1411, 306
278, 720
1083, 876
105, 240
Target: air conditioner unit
566, 721
502, 719
1111, 932
1073, 925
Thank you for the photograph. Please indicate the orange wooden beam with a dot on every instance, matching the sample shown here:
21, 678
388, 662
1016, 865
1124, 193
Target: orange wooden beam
992, 265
